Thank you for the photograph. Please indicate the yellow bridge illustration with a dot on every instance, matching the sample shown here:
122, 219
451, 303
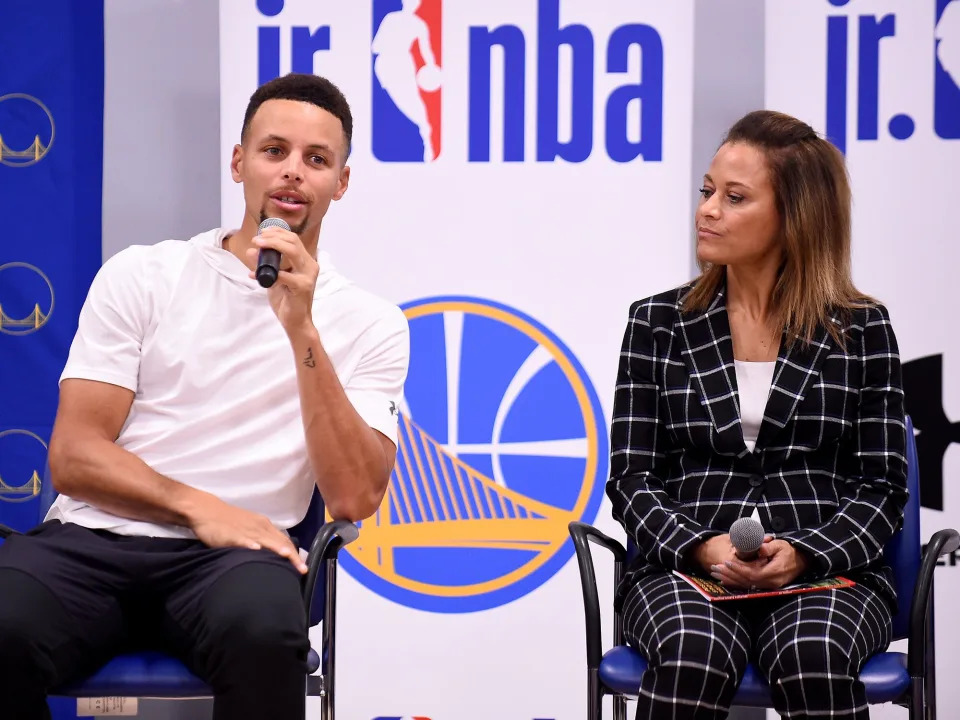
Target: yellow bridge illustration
32, 321
436, 500
33, 152
28, 490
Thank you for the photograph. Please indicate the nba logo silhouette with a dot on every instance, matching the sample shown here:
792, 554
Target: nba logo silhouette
406, 80
946, 84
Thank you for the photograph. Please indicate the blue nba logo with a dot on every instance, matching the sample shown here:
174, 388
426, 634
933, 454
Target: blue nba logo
406, 100
946, 87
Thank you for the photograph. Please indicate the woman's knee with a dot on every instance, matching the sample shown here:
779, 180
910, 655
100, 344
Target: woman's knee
695, 654
806, 655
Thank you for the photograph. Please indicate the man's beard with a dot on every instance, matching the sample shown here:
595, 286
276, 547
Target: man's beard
293, 228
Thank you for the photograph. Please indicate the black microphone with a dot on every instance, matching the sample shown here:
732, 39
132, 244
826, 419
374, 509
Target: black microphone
746, 536
268, 261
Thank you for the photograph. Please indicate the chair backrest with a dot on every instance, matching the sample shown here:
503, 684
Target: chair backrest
902, 551
302, 533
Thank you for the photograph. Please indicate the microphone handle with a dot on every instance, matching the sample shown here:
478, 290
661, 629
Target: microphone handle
268, 267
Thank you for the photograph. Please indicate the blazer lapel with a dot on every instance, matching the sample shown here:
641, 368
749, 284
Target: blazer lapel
796, 368
707, 351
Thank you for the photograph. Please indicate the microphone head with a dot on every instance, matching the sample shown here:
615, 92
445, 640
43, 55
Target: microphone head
746, 535
273, 222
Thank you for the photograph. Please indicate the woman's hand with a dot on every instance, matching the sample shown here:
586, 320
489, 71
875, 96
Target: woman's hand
778, 563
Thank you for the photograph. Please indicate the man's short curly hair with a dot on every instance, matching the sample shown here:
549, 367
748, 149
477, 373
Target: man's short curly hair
311, 89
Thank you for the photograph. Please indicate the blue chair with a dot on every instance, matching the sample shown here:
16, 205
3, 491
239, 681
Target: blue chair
156, 675
906, 679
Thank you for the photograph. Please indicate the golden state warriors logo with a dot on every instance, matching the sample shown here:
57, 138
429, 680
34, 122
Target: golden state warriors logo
26, 299
26, 130
22, 455
502, 443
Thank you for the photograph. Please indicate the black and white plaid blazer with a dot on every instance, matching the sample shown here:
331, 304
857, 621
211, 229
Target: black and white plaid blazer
828, 473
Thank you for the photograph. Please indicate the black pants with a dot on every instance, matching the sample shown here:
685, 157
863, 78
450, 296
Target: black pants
809, 646
71, 598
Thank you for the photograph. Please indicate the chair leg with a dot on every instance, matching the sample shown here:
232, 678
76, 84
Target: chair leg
917, 706
594, 696
328, 654
930, 668
619, 707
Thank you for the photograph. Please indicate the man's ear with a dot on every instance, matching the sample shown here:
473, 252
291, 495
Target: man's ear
236, 163
342, 182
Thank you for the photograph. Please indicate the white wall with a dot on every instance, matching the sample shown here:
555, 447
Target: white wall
161, 121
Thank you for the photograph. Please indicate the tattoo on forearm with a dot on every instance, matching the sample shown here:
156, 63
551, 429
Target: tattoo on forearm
308, 360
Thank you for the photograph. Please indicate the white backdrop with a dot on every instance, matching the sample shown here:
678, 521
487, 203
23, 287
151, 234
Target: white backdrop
905, 251
473, 614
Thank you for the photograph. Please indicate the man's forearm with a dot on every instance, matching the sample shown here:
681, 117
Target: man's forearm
98, 471
345, 452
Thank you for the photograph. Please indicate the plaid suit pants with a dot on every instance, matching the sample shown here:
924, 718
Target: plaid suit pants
810, 646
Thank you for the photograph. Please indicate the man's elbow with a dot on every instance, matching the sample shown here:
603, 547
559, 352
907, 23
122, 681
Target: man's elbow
62, 459
359, 507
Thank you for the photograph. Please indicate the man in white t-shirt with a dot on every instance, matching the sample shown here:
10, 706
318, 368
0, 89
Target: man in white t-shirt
198, 412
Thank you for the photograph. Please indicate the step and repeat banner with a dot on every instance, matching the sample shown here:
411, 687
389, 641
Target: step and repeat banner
882, 79
520, 175
51, 145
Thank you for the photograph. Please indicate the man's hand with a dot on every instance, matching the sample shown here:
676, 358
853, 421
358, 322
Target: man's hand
778, 563
219, 524
291, 296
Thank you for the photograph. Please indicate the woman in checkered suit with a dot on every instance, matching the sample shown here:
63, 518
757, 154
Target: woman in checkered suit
769, 386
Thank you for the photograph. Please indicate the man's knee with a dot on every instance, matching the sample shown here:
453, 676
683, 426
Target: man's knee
27, 611
18, 647
257, 612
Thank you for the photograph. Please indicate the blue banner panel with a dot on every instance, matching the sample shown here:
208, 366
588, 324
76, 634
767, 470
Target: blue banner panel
51, 150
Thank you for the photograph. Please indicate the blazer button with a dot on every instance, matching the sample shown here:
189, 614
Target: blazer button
756, 480
778, 524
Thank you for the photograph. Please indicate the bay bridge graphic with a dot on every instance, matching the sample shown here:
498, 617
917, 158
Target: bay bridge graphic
501, 443
9, 440
29, 155
12, 276
33, 321
31, 117
20, 493
430, 485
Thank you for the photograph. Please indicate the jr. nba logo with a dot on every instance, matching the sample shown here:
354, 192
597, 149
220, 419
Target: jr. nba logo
406, 80
946, 89
861, 37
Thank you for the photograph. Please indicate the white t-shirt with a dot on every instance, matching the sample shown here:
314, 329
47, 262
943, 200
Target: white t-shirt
217, 405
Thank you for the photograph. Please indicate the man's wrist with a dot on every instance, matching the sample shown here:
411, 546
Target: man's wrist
307, 349
303, 334
189, 504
